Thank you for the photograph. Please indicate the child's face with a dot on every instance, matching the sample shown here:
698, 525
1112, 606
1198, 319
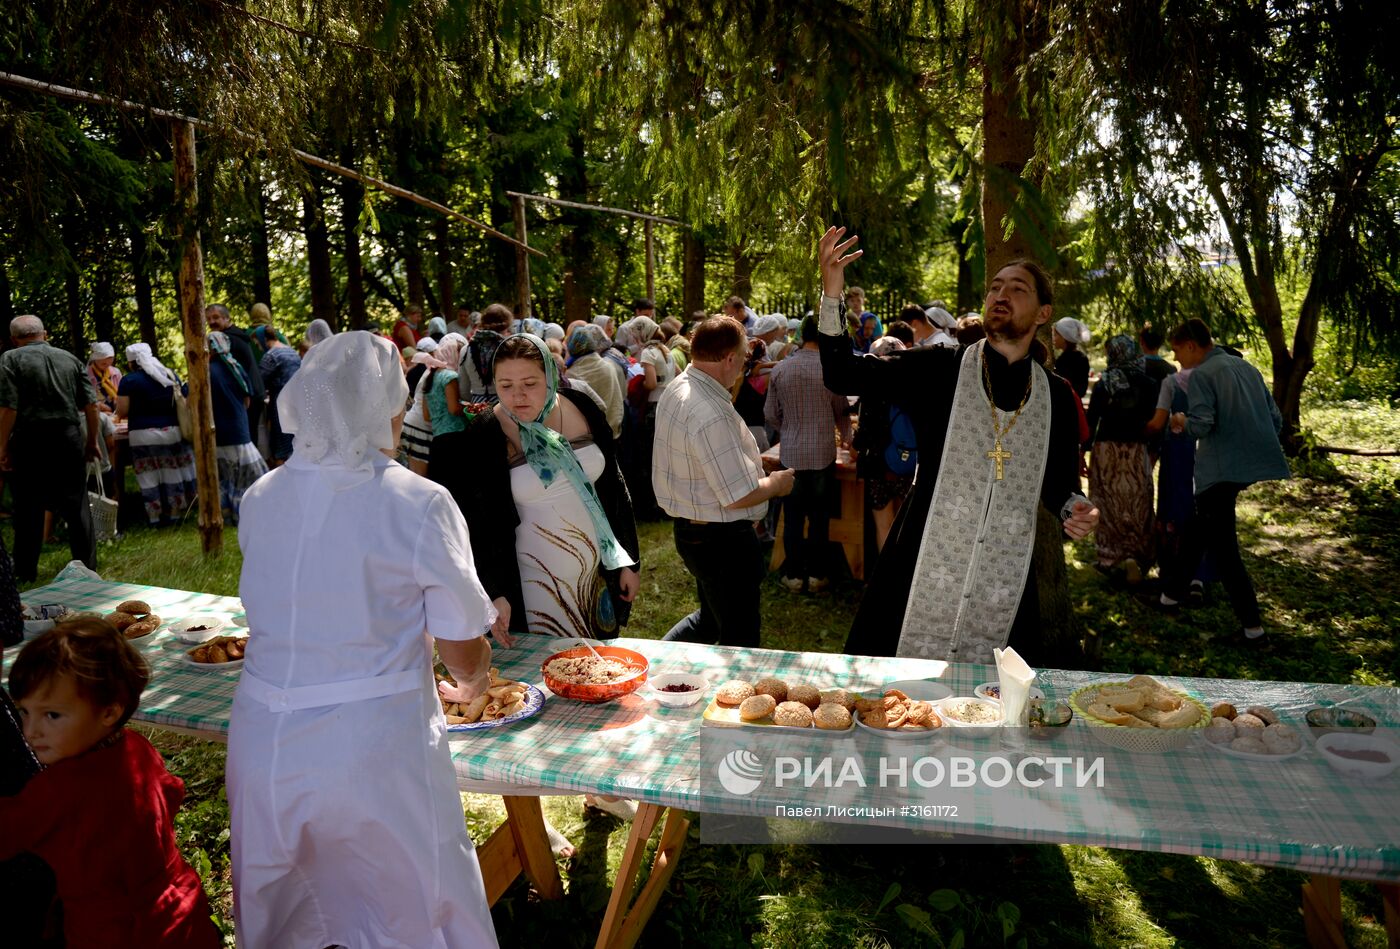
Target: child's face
60, 723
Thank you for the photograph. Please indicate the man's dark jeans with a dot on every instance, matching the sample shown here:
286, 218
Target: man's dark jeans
727, 563
808, 505
1213, 531
49, 475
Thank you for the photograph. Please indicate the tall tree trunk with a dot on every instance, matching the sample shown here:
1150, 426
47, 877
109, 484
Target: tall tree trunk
692, 274
262, 260
447, 286
141, 285
318, 257
743, 273
352, 198
73, 300
413, 260
7, 305
578, 279
104, 300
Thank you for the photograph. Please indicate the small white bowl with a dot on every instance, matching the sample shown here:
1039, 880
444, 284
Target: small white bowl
1331, 744
678, 699
213, 625
979, 728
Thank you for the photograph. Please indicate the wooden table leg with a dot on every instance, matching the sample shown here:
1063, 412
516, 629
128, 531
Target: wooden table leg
1390, 896
520, 845
622, 927
1322, 912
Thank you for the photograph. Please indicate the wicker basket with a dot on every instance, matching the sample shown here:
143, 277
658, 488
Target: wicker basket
103, 508
1142, 740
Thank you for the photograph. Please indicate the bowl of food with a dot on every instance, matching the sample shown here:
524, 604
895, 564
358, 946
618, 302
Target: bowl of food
1139, 715
1358, 755
600, 674
219, 653
1327, 720
198, 628
677, 689
978, 717
992, 690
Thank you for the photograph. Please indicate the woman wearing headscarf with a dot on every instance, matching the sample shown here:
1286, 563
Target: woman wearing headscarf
1120, 472
443, 406
278, 364
238, 459
105, 378
437, 329
1071, 364
642, 338
480, 354
586, 344
162, 459
318, 331
869, 332
346, 822
570, 560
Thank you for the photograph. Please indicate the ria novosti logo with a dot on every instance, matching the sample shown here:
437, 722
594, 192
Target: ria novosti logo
740, 772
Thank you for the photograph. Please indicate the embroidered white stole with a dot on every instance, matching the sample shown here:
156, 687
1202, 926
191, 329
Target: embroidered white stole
980, 533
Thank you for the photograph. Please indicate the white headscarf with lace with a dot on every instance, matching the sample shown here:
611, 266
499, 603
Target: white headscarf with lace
145, 360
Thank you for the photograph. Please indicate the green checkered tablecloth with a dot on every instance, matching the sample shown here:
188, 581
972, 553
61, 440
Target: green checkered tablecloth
1295, 812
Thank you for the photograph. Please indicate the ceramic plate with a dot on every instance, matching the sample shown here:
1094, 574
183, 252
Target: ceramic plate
534, 701
924, 734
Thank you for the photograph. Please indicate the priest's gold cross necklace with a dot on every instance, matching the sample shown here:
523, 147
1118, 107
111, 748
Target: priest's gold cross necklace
998, 454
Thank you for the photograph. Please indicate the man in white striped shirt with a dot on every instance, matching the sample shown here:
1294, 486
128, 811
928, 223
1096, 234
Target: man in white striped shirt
707, 476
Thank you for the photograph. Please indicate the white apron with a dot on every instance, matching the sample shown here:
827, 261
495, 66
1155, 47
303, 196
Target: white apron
347, 826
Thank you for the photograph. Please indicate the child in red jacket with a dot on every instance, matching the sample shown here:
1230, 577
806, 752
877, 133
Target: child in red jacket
102, 811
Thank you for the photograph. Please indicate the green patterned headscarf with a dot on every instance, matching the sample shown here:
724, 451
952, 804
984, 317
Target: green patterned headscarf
550, 455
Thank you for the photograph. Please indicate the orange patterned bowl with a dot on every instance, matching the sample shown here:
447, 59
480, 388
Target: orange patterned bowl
569, 688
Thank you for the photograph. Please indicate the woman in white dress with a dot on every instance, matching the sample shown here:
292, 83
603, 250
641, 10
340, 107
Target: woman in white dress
572, 567
347, 826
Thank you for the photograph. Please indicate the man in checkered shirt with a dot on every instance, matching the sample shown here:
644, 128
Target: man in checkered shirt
708, 477
805, 412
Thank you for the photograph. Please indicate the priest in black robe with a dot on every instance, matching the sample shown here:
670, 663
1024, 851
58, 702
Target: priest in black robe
925, 383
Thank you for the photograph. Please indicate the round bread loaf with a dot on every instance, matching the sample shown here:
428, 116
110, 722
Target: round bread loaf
774, 687
733, 692
831, 716
757, 707
135, 607
793, 715
121, 619
808, 695
143, 627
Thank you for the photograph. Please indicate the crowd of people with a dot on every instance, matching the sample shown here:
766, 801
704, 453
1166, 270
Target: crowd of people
529, 453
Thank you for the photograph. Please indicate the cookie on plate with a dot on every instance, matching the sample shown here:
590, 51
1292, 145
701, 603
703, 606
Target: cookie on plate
733, 693
121, 619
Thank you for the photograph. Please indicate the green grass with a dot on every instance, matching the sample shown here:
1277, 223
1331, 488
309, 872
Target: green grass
1324, 551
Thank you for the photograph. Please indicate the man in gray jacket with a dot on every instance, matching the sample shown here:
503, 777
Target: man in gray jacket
1236, 422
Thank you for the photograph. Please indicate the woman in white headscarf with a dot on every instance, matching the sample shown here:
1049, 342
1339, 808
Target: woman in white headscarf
1071, 364
105, 378
318, 332
347, 826
162, 459
642, 337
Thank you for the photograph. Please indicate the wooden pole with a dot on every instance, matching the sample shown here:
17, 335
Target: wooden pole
560, 202
79, 95
651, 263
522, 260
211, 521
